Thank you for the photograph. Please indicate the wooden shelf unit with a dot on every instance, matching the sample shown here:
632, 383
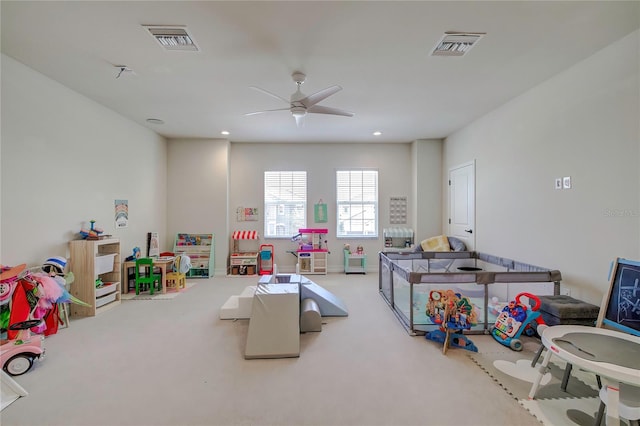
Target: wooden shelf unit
200, 249
90, 260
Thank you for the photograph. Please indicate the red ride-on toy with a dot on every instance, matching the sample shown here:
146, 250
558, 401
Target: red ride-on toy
17, 355
516, 318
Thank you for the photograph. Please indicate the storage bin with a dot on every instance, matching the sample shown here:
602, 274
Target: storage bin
104, 263
101, 301
107, 288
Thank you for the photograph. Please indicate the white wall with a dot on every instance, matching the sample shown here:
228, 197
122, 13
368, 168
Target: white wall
65, 160
249, 161
583, 123
426, 157
197, 187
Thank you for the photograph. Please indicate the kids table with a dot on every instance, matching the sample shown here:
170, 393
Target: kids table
160, 262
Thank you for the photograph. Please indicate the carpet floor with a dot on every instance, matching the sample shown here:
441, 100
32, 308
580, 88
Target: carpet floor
169, 295
552, 406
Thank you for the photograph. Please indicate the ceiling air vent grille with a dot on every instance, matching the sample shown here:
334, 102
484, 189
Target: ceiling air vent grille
172, 38
456, 44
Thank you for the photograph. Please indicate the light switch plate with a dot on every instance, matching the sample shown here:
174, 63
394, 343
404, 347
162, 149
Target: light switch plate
566, 182
558, 183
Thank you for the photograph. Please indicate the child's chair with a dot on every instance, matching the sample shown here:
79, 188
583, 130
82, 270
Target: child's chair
175, 279
147, 277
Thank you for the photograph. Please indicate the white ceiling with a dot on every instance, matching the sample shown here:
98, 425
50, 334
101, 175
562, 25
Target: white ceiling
379, 52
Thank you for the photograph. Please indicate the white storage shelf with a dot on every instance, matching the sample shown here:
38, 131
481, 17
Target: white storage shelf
200, 249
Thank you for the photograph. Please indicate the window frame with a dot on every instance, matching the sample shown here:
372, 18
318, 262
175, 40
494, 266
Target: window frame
296, 203
362, 190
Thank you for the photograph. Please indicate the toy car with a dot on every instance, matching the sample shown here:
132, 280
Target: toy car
17, 355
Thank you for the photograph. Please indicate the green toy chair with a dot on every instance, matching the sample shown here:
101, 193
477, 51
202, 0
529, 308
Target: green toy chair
147, 277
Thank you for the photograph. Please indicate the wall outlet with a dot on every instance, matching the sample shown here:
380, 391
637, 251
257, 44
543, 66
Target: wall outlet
565, 291
558, 183
566, 182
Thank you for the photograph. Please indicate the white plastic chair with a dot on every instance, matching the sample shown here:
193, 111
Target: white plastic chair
628, 407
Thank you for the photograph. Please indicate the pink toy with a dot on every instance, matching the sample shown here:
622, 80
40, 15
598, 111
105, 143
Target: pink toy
17, 355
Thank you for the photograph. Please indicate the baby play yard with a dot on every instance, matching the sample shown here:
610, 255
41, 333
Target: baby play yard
407, 279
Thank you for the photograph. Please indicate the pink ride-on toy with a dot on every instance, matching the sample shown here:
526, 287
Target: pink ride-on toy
17, 355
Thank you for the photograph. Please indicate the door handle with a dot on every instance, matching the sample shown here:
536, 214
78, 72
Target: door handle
469, 231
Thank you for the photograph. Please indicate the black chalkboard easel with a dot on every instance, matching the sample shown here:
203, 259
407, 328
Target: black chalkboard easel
620, 307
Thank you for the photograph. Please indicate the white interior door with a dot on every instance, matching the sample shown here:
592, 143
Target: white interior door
462, 203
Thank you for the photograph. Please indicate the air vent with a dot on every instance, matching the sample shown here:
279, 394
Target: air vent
456, 44
172, 37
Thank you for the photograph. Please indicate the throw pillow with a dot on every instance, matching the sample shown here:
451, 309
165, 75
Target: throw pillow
439, 243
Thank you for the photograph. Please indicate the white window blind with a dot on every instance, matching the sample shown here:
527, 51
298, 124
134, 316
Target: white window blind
285, 203
357, 202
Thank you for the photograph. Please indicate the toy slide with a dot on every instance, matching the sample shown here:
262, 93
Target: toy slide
11, 390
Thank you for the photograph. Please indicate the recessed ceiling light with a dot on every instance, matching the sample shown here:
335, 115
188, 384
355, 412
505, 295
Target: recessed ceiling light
377, 133
155, 121
225, 132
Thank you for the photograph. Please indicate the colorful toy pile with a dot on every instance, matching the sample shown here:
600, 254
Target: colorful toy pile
93, 232
453, 312
29, 303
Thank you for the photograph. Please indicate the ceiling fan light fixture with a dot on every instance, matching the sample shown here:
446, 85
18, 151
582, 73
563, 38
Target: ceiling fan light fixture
297, 111
172, 37
456, 43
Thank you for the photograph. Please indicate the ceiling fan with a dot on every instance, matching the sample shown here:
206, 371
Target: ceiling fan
301, 104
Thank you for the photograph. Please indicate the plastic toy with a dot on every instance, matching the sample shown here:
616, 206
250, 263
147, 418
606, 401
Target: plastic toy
93, 232
453, 313
17, 355
136, 254
515, 319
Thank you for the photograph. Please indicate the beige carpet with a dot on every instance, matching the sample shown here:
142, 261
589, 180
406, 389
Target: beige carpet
552, 406
177, 363
169, 295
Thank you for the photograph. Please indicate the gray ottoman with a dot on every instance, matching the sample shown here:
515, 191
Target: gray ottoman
557, 310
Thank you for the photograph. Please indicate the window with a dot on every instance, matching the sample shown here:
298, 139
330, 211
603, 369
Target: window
357, 201
285, 203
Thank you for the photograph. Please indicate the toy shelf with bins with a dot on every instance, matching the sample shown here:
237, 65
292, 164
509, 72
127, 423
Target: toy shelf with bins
312, 253
91, 260
200, 249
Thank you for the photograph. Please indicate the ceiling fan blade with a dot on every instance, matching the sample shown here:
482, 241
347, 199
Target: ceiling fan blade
266, 92
267, 110
311, 100
319, 109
